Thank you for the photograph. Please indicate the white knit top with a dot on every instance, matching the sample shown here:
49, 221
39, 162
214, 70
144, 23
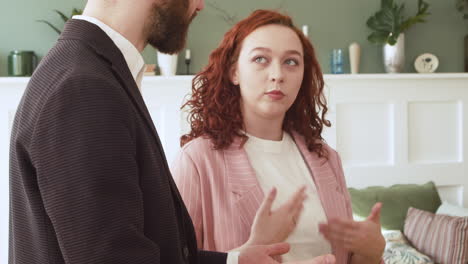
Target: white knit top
280, 164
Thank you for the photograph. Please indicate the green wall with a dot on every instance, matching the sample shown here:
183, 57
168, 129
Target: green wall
332, 24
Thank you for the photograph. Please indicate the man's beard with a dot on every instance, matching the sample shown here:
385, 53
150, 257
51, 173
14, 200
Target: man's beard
167, 27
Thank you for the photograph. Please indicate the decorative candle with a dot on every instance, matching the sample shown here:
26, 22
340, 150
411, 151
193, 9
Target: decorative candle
354, 57
187, 54
305, 30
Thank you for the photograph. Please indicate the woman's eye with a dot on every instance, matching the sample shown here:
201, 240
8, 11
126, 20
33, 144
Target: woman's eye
292, 62
260, 60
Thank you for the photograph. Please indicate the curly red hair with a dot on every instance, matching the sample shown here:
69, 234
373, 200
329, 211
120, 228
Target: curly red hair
214, 106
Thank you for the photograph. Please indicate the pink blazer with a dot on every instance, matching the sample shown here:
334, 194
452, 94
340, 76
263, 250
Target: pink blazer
222, 194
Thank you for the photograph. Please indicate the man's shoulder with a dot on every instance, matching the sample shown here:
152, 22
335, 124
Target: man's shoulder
70, 65
74, 58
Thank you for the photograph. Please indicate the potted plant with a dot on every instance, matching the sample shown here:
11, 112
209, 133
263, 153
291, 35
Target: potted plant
388, 26
462, 6
65, 18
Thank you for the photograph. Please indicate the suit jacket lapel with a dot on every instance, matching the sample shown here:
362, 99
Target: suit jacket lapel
97, 39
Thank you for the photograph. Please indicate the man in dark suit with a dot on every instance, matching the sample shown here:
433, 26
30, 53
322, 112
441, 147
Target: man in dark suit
89, 181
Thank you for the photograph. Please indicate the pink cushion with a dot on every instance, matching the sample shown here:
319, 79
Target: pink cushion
444, 238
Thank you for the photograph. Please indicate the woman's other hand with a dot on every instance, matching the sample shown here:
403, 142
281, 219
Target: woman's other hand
363, 238
267, 254
275, 226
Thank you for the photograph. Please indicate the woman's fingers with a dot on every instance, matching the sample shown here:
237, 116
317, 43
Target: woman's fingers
339, 231
296, 201
296, 214
374, 215
265, 207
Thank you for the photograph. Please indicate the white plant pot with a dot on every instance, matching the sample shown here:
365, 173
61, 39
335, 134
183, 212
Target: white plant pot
167, 64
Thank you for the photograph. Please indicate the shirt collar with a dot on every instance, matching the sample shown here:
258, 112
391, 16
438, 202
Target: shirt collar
131, 54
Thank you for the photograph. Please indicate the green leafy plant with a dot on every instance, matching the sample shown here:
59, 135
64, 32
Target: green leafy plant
232, 19
229, 18
388, 23
65, 18
462, 6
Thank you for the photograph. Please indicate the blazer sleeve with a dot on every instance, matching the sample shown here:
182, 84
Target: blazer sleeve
187, 179
84, 155
342, 181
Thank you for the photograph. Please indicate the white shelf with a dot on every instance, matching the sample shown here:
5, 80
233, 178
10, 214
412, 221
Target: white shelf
396, 76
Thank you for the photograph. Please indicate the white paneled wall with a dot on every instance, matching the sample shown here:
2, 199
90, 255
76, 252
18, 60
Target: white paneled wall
389, 129
408, 128
11, 90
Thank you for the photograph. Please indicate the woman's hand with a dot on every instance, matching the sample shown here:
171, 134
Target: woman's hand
271, 227
363, 238
267, 255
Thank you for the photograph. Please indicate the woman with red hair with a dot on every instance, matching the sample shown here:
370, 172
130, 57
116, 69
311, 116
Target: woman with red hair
257, 112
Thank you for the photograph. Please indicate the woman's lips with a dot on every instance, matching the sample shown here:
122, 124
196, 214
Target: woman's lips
275, 95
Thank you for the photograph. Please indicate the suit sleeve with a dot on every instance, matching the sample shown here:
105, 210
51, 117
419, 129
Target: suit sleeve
84, 154
187, 178
211, 257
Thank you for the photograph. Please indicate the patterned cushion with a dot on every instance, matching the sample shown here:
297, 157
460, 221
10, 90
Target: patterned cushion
399, 251
444, 238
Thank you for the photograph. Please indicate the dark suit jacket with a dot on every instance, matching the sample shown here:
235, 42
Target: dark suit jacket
89, 181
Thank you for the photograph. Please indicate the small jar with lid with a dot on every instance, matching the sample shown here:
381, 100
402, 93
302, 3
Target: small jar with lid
21, 63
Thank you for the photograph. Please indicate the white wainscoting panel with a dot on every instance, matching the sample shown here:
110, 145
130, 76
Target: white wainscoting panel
164, 96
435, 132
357, 147
11, 90
422, 120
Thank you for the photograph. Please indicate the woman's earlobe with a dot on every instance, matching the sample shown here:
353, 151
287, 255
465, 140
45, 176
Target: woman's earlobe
234, 79
233, 76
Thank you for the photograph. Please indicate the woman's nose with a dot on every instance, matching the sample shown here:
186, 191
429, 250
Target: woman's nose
276, 74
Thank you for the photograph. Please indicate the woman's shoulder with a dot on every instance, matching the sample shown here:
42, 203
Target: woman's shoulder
197, 145
331, 154
202, 149
203, 156
300, 140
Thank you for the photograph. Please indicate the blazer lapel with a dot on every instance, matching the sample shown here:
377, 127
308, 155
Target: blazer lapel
323, 176
243, 187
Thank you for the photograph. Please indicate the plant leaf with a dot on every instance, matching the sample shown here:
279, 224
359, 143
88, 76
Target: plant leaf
50, 25
377, 24
76, 12
389, 22
379, 37
386, 4
62, 15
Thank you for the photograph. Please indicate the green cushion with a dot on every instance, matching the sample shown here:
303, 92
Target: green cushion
396, 200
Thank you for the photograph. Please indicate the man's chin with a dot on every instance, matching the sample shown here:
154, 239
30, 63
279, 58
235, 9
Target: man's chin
169, 47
